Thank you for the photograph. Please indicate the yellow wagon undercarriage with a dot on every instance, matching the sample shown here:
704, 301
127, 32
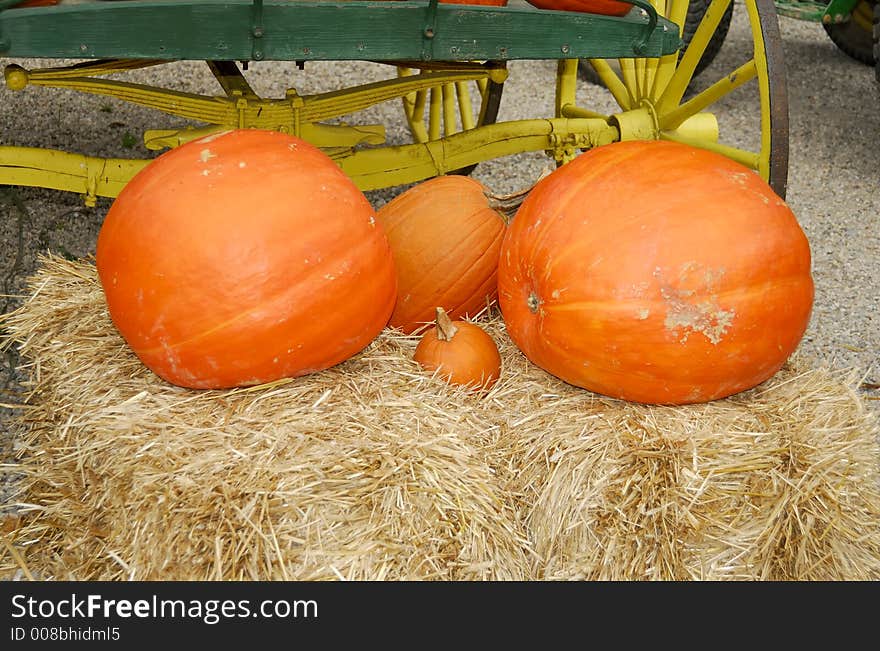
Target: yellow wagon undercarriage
448, 107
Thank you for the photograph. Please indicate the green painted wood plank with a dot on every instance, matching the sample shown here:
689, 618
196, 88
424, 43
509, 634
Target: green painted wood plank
227, 30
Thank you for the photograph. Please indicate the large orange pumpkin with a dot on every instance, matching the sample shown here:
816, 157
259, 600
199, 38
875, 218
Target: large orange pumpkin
445, 237
242, 258
656, 272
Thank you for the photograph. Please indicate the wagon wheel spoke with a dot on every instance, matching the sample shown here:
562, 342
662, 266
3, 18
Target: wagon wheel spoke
663, 85
450, 107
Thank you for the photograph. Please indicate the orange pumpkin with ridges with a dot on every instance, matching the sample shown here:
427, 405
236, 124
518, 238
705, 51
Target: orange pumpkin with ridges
445, 237
656, 272
242, 258
460, 352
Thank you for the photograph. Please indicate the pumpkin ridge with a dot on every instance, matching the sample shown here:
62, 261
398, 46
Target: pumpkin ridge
426, 275
629, 303
586, 171
414, 196
275, 296
485, 290
395, 210
563, 255
334, 251
488, 282
603, 371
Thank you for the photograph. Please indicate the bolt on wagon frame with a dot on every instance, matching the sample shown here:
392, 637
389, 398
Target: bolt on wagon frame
447, 63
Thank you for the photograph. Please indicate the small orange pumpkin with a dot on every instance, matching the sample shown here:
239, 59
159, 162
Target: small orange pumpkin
656, 272
244, 257
445, 237
460, 351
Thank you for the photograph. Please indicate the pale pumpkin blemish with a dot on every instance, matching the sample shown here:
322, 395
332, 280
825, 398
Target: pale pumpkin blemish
206, 154
712, 278
644, 313
214, 136
683, 313
706, 318
533, 303
740, 177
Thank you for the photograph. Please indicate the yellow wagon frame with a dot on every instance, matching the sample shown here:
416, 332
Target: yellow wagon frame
450, 130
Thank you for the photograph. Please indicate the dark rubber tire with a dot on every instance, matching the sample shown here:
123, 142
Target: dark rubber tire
877, 41
490, 115
853, 37
695, 12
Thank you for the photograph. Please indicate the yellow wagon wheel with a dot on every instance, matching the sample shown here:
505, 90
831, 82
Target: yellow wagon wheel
450, 107
657, 103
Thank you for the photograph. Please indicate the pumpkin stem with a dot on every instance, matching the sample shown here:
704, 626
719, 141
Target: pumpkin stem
508, 204
445, 328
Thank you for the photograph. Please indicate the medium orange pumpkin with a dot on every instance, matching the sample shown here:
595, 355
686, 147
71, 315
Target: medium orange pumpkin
656, 272
606, 7
460, 351
445, 237
242, 258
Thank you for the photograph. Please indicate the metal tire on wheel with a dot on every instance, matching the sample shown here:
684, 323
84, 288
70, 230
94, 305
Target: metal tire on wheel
446, 109
650, 93
854, 37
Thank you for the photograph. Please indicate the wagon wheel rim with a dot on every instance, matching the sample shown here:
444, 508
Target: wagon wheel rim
661, 84
443, 110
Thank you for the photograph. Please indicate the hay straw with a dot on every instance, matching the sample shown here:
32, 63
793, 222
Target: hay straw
374, 470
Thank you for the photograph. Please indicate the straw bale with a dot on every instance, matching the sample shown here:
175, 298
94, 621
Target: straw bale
375, 470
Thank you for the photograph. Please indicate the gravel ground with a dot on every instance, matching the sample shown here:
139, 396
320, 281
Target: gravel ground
833, 173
